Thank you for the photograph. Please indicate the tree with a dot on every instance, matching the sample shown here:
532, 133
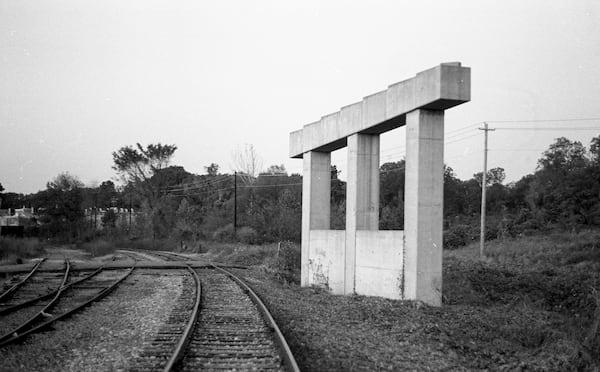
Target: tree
212, 169
109, 219
1, 189
391, 195
107, 194
62, 206
276, 170
138, 165
493, 176
247, 162
595, 150
562, 154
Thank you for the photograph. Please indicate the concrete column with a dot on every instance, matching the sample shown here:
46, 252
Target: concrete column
423, 206
362, 196
316, 201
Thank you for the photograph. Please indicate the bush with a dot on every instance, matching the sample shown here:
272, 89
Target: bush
247, 235
287, 262
224, 234
457, 236
98, 248
13, 249
148, 244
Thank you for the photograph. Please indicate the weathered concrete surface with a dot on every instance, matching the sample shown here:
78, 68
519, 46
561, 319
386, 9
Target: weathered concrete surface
423, 205
316, 196
362, 196
438, 88
326, 262
362, 260
379, 263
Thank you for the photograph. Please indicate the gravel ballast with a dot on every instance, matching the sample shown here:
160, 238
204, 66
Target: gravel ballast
105, 336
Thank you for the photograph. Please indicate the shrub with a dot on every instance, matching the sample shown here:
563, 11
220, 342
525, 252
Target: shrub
247, 235
12, 249
224, 234
148, 244
287, 262
98, 247
456, 236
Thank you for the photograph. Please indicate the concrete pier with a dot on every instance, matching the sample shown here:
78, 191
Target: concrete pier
394, 264
316, 202
423, 205
362, 196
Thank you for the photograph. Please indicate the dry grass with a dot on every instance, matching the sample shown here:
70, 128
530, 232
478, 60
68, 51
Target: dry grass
15, 250
530, 305
98, 248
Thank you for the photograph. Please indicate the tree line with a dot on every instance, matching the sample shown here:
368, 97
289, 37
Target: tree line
256, 207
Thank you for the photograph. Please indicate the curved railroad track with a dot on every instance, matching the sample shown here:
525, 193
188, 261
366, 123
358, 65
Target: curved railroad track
8, 293
218, 323
65, 300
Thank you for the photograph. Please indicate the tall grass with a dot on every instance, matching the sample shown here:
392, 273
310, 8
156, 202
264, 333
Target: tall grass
14, 250
553, 250
280, 259
97, 248
148, 244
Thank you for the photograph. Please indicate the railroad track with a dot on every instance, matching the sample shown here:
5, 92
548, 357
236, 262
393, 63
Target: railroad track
162, 255
18, 320
218, 323
8, 293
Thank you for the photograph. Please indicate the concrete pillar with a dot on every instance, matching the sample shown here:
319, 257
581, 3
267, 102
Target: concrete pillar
316, 201
362, 196
423, 206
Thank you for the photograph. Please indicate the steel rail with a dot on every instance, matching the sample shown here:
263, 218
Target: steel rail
27, 323
284, 349
187, 333
9, 291
16, 307
97, 297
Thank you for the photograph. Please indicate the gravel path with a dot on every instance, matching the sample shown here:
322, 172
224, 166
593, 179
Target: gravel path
105, 336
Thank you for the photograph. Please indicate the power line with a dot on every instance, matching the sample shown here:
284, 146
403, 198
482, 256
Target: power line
543, 120
462, 139
196, 185
550, 129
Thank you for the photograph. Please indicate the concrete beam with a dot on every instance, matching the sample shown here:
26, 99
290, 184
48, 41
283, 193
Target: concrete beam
439, 88
423, 206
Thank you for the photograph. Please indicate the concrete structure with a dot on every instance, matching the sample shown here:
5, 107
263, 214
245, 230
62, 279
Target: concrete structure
394, 264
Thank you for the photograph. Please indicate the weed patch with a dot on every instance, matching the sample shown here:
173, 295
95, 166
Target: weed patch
14, 250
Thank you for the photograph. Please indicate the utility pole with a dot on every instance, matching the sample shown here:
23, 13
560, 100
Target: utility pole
485, 129
235, 203
130, 205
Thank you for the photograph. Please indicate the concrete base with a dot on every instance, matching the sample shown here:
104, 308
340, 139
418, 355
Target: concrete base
326, 263
379, 262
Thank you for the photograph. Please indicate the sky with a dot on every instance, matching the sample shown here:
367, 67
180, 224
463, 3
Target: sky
79, 79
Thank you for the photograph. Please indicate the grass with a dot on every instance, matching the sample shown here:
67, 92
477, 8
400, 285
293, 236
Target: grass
147, 244
98, 248
531, 304
15, 250
549, 251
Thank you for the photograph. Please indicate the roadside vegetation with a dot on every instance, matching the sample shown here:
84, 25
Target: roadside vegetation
532, 304
16, 251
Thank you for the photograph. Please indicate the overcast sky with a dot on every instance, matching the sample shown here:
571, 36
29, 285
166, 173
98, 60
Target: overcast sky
79, 79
